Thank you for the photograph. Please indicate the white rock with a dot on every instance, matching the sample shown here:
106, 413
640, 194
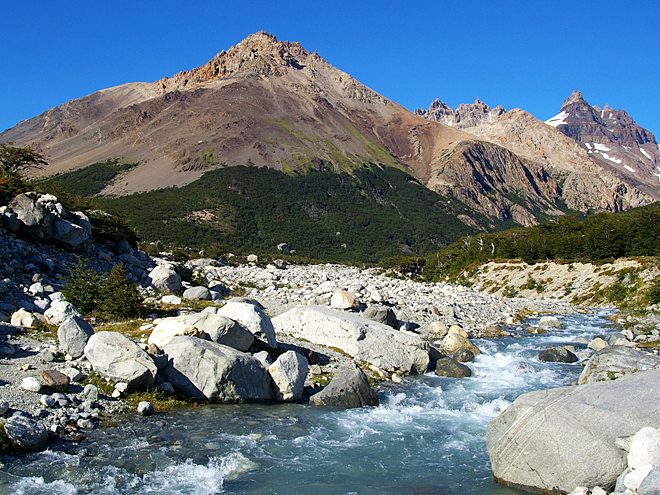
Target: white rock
636, 476
171, 299
22, 318
169, 328
645, 449
31, 384
165, 279
550, 321
59, 311
288, 373
252, 318
344, 300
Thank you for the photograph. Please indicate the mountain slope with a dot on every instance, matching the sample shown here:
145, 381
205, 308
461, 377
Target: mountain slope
275, 105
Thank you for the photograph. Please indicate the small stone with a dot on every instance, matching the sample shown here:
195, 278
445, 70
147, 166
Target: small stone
85, 424
315, 369
121, 387
4, 407
91, 392
171, 299
55, 380
74, 374
47, 356
116, 394
145, 408
31, 384
597, 490
47, 401
397, 377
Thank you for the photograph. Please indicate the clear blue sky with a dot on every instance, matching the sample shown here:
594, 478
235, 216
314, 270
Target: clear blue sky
525, 54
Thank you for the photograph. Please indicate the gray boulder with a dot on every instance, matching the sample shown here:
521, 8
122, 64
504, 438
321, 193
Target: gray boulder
360, 338
349, 388
288, 373
118, 358
554, 440
558, 355
454, 342
252, 318
197, 293
26, 433
73, 335
550, 321
381, 314
451, 368
222, 330
615, 361
70, 236
10, 221
165, 279
206, 370
36, 221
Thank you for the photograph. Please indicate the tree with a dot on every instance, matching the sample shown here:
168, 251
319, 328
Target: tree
13, 163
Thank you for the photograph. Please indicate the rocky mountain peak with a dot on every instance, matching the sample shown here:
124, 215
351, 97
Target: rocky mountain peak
466, 114
575, 97
260, 53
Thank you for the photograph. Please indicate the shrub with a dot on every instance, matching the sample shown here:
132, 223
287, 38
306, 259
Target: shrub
82, 286
119, 297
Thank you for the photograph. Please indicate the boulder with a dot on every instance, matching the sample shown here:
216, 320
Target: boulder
288, 373
360, 338
438, 329
344, 300
463, 356
59, 311
618, 338
252, 318
550, 321
165, 279
451, 368
554, 440
381, 314
118, 358
26, 433
197, 293
615, 361
650, 485
22, 318
169, 328
73, 335
36, 221
145, 408
170, 299
457, 329
54, 380
31, 384
558, 355
222, 330
597, 344
206, 370
349, 388
454, 342
70, 236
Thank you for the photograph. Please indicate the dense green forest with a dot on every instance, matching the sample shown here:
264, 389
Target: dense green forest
602, 236
373, 213
90, 180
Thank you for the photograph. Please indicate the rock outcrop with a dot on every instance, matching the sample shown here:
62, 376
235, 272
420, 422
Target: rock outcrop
554, 440
348, 389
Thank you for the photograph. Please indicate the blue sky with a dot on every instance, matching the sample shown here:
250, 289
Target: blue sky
524, 54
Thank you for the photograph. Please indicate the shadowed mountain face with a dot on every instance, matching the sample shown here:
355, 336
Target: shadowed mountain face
273, 104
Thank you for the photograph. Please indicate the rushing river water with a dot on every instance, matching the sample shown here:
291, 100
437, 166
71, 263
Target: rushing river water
428, 436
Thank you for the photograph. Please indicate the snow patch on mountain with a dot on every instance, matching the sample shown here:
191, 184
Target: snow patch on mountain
645, 154
559, 119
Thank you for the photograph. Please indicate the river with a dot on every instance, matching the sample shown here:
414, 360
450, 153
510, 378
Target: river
428, 437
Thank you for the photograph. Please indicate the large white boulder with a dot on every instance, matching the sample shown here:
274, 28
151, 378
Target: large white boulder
171, 327
288, 373
554, 440
22, 318
206, 370
118, 358
360, 338
252, 318
222, 330
165, 279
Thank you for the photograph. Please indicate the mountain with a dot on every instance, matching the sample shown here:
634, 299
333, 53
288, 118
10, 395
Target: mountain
273, 105
586, 178
611, 138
